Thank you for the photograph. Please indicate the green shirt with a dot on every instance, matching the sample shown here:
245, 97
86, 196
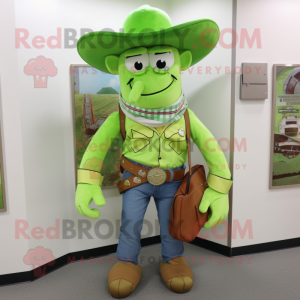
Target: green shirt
165, 147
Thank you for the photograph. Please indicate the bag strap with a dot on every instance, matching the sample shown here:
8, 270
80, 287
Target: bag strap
188, 138
122, 123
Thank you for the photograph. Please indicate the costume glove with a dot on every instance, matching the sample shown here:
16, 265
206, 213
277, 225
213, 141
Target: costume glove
218, 204
85, 193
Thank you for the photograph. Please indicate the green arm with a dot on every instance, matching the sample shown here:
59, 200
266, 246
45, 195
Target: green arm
97, 149
220, 176
89, 179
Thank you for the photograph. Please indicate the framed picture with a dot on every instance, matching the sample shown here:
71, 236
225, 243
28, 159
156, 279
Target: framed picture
2, 185
95, 96
285, 145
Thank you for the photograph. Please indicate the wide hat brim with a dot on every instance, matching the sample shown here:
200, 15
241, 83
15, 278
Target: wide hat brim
199, 36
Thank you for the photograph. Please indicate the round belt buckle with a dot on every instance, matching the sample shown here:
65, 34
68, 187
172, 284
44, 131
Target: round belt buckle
157, 176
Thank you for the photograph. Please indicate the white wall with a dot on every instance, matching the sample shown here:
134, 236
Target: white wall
274, 213
37, 123
38, 130
209, 95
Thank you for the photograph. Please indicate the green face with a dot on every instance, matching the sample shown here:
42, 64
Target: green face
150, 77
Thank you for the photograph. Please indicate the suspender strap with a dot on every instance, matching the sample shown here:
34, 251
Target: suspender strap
188, 137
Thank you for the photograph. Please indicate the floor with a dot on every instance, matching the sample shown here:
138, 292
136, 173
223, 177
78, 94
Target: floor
272, 275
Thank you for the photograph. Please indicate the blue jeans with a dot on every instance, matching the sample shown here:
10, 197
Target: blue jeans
135, 203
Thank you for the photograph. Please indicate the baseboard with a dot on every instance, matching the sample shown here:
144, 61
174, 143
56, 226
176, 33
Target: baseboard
245, 250
212, 246
106, 250
265, 247
66, 259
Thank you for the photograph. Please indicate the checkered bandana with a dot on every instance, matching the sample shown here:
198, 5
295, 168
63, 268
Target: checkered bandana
154, 117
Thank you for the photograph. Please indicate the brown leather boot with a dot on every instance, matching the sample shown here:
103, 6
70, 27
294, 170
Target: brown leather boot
123, 278
177, 275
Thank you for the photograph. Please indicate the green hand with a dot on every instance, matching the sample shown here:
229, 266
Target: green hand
85, 193
218, 204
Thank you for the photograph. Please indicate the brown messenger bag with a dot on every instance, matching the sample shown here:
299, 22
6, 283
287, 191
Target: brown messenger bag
186, 219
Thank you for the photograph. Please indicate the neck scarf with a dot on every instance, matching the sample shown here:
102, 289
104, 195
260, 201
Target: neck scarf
154, 117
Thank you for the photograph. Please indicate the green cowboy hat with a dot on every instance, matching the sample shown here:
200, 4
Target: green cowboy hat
147, 27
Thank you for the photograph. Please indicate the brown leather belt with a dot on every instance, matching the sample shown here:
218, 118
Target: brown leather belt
155, 176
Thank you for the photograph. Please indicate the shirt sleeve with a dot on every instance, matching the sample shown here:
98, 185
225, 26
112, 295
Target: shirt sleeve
209, 148
99, 145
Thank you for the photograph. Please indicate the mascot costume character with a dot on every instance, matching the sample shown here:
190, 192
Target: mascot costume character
149, 56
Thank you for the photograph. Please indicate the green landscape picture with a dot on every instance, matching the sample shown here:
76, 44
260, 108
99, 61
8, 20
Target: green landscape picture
286, 154
102, 91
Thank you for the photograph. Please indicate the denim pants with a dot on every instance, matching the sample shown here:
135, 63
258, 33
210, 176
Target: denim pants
135, 203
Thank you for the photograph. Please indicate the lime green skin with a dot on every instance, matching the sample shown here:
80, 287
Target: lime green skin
146, 82
162, 87
153, 82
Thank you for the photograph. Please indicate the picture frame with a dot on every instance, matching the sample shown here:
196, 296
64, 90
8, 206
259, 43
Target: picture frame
285, 129
88, 115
